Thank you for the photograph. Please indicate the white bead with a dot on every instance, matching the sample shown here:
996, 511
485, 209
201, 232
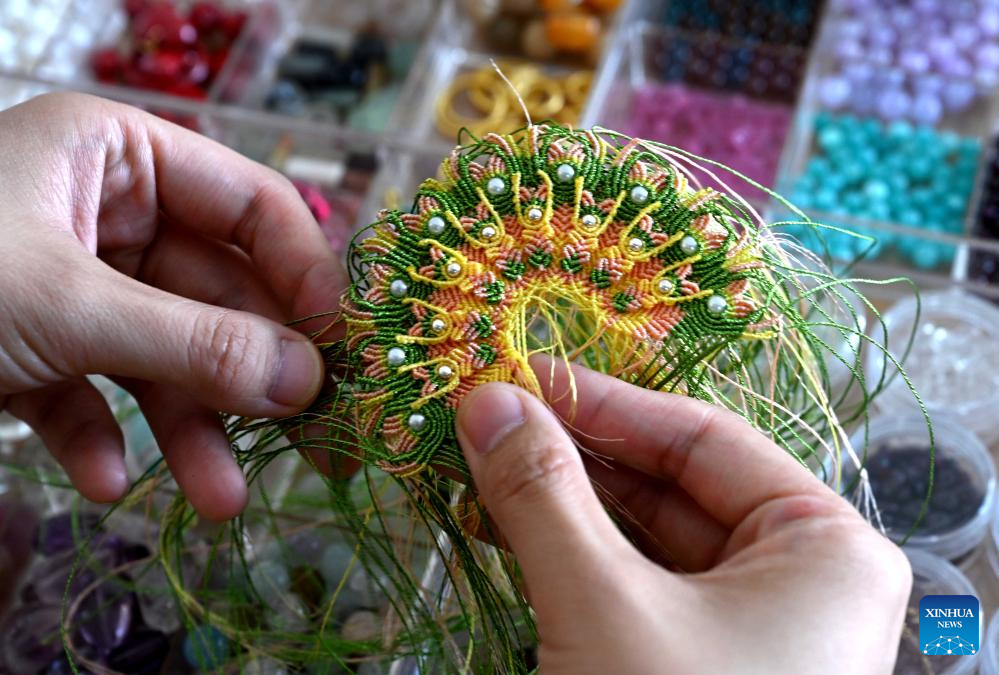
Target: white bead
589, 220
438, 325
534, 214
436, 225
636, 244
665, 286
689, 245
496, 186
398, 288
416, 421
488, 232
396, 357
717, 305
565, 173
453, 269
639, 194
445, 372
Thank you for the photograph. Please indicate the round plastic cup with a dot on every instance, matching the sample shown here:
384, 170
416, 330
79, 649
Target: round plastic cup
989, 660
953, 363
932, 575
886, 434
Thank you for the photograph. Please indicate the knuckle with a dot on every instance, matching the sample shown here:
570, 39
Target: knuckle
228, 351
533, 472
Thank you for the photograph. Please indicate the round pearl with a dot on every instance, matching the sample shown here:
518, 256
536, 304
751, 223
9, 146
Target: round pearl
396, 357
665, 286
689, 245
436, 225
534, 214
636, 244
453, 269
398, 288
496, 186
717, 305
565, 173
589, 220
445, 372
639, 194
416, 421
438, 325
488, 232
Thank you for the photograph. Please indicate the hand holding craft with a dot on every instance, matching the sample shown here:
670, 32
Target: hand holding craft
777, 561
140, 250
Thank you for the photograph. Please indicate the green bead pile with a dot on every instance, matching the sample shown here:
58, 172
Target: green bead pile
893, 173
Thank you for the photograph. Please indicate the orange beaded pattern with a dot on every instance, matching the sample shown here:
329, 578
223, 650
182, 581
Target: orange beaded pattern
613, 236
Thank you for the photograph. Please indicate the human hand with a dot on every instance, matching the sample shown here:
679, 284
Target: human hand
783, 575
137, 249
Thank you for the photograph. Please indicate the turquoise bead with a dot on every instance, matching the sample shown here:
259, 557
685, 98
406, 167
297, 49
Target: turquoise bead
877, 211
853, 171
855, 202
825, 199
877, 190
831, 138
926, 255
910, 216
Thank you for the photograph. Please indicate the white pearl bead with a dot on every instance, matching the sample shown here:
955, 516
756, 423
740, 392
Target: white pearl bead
639, 194
589, 220
436, 225
438, 325
665, 286
636, 244
717, 304
534, 214
565, 173
445, 372
396, 357
689, 245
416, 421
488, 232
398, 288
496, 186
453, 269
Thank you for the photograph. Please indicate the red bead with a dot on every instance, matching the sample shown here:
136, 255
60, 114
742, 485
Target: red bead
159, 26
134, 7
108, 65
216, 61
160, 70
232, 24
206, 16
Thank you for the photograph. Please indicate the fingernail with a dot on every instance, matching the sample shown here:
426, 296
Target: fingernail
489, 414
298, 377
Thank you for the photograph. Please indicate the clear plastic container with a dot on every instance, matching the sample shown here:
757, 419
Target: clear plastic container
953, 363
989, 659
953, 442
932, 575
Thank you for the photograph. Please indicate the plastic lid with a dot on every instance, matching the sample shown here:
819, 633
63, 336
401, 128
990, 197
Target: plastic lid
954, 443
989, 660
954, 360
932, 575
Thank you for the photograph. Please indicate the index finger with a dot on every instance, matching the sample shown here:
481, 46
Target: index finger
729, 468
218, 192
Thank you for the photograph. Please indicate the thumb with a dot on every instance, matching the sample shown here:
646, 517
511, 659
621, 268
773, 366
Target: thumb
232, 361
531, 479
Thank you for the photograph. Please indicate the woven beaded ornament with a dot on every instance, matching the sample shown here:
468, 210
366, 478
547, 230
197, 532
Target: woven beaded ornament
590, 247
644, 266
